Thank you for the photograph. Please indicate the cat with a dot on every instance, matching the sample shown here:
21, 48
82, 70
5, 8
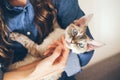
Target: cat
75, 37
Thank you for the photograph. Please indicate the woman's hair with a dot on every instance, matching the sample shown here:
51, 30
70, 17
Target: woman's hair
45, 14
3, 36
3, 29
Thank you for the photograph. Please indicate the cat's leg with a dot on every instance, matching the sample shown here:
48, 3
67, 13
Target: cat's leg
30, 45
27, 60
35, 49
53, 36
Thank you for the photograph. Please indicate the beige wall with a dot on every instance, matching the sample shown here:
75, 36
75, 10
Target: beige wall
105, 26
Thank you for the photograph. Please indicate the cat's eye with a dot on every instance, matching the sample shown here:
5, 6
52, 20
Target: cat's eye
75, 32
81, 45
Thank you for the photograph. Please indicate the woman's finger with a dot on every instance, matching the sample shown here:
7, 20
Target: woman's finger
52, 47
63, 58
62, 39
48, 52
54, 44
56, 53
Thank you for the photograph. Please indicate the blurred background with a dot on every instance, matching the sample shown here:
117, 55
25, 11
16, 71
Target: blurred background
105, 27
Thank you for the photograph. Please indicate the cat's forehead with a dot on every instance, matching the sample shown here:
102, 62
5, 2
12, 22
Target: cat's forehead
77, 27
83, 41
83, 37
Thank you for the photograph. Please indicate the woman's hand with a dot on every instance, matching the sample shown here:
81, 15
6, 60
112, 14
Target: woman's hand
18, 2
56, 62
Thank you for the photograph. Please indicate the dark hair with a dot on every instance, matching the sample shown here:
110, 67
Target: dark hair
6, 55
3, 29
45, 14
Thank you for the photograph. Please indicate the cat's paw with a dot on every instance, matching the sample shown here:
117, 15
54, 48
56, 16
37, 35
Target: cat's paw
14, 35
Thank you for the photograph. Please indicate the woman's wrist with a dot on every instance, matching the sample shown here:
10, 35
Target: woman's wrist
18, 2
21, 73
15, 75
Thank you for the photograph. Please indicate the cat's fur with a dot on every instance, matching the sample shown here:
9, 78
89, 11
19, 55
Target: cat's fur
75, 37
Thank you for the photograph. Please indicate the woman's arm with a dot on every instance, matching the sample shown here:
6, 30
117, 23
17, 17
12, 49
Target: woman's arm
17, 74
21, 73
54, 63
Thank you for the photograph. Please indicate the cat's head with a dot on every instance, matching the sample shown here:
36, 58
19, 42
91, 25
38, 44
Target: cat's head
77, 39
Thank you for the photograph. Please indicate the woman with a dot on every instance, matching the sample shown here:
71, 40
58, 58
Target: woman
34, 18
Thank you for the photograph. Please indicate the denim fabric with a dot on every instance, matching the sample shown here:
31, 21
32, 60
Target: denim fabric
1, 72
20, 19
65, 77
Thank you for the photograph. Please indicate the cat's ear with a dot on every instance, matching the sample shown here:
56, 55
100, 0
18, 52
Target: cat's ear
92, 45
83, 20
